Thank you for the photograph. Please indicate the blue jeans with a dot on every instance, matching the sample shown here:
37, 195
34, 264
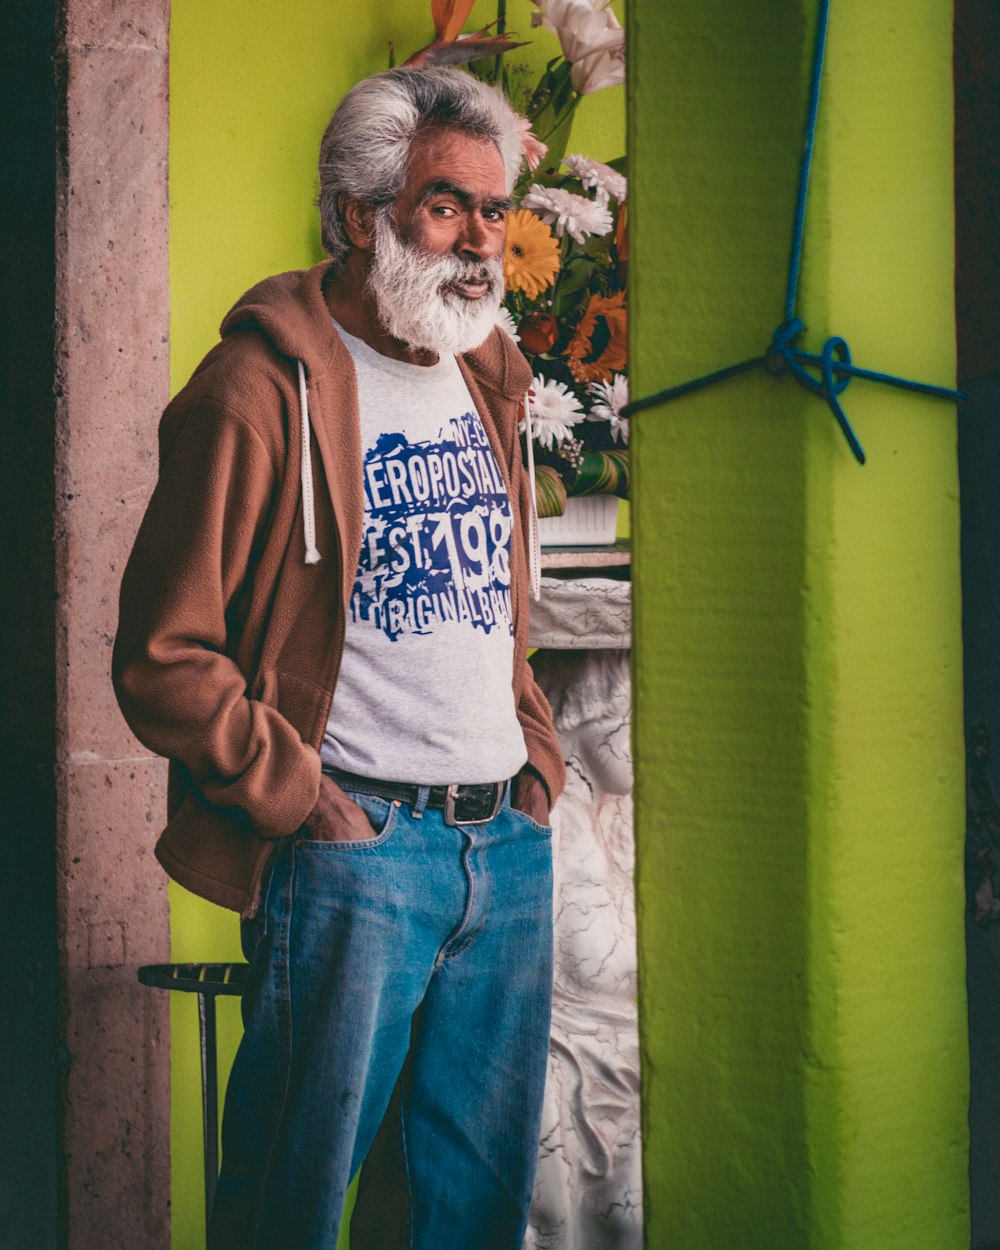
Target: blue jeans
397, 1015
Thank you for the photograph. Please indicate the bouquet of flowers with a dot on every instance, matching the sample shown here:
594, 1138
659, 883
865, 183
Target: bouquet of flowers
564, 268
566, 259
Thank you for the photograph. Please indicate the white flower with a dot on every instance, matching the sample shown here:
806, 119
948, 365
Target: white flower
596, 174
569, 213
506, 323
591, 39
611, 398
554, 409
603, 69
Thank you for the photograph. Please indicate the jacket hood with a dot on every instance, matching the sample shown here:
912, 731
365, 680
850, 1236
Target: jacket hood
290, 310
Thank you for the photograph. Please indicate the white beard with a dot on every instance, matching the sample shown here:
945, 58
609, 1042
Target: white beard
414, 305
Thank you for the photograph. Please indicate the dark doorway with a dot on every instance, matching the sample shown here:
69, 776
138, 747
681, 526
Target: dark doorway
977, 303
28, 969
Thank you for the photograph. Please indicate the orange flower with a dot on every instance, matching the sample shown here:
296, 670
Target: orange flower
621, 235
599, 346
446, 48
449, 17
538, 332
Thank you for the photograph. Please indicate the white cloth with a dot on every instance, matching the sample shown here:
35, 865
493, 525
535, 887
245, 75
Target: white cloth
588, 1188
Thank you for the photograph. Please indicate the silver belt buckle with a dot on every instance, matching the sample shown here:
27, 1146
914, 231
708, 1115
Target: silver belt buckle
449, 806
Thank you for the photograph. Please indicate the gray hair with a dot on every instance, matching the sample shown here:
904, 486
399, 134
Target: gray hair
365, 147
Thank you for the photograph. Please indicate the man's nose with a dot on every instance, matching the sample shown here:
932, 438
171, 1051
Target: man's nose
478, 242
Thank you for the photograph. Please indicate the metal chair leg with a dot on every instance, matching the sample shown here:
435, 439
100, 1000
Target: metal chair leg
208, 981
209, 1099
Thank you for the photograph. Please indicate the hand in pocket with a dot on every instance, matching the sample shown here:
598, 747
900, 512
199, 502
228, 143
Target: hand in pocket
531, 797
336, 817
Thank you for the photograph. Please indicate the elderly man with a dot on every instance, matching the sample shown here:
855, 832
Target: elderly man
323, 627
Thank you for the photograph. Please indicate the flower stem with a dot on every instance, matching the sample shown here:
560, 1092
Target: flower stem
501, 30
565, 246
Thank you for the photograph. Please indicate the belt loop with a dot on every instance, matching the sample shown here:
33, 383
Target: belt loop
423, 794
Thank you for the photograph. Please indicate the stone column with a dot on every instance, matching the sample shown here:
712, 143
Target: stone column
112, 382
797, 657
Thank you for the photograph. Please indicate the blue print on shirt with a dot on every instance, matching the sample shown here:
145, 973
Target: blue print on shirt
437, 534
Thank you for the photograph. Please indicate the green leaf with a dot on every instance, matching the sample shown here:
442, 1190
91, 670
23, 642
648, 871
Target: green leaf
550, 493
603, 473
573, 278
557, 139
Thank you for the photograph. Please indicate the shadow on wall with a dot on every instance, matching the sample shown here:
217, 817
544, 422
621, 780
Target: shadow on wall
977, 307
979, 461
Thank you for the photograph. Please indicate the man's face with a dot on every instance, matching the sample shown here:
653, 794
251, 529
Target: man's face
437, 271
454, 199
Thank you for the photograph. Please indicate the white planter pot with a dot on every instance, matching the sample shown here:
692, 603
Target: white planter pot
589, 521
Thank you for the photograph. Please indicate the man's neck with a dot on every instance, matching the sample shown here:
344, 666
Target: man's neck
353, 306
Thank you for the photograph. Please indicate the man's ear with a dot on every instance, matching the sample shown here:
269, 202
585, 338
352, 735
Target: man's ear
358, 217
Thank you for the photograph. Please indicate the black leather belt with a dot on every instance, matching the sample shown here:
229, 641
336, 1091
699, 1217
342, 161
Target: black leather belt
462, 805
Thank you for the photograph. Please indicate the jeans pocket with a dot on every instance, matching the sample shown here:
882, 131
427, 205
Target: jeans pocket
381, 814
544, 830
251, 932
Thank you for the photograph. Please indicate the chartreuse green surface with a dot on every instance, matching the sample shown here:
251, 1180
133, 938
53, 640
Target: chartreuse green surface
797, 640
252, 85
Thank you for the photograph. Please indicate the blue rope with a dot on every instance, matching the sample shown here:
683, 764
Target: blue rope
834, 362
805, 168
697, 384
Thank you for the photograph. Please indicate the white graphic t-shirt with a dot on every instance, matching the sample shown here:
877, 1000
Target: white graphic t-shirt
424, 692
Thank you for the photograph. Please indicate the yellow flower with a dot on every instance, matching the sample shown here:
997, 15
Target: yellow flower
599, 346
531, 260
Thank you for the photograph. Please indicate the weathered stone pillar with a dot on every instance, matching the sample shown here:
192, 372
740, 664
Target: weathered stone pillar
112, 327
797, 648
87, 356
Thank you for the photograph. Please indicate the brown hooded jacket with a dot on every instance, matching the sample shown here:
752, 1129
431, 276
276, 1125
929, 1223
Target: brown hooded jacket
229, 642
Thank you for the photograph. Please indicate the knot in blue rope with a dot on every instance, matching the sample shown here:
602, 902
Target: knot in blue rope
780, 354
783, 356
834, 363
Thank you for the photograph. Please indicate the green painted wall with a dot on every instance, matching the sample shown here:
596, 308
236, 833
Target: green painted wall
252, 85
797, 640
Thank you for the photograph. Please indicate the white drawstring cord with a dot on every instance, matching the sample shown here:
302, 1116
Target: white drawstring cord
312, 555
534, 539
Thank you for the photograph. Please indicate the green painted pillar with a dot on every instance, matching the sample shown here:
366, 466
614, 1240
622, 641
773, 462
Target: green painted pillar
798, 745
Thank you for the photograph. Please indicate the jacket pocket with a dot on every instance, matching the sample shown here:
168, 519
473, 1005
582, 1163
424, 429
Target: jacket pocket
301, 702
